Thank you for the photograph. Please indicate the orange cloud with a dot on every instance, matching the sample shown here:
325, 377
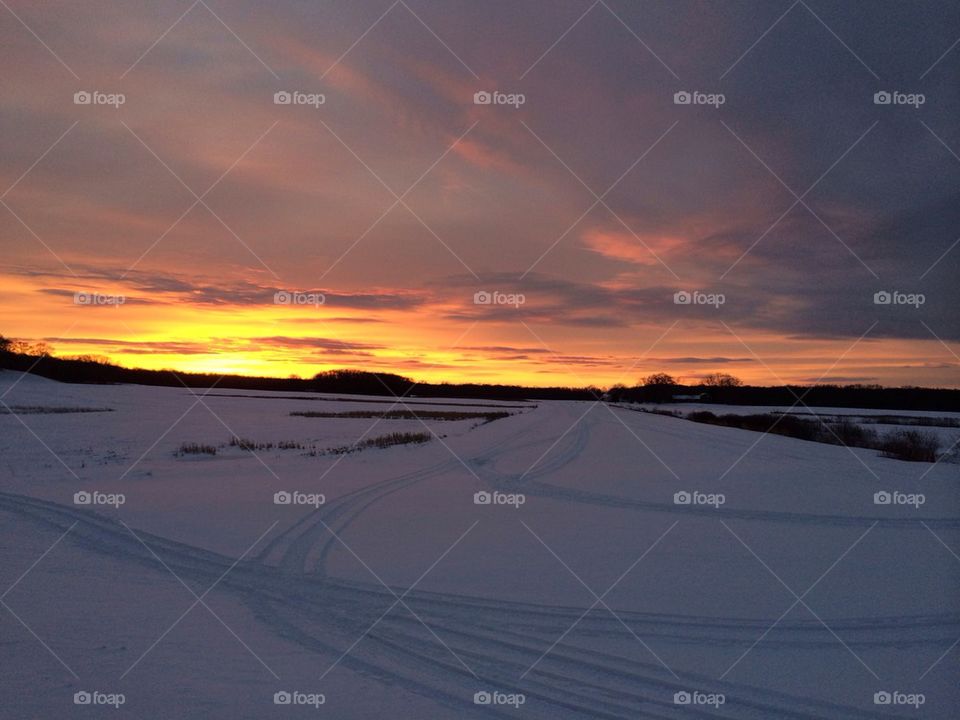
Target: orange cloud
622, 245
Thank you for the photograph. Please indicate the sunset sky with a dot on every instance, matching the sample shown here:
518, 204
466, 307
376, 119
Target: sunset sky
201, 201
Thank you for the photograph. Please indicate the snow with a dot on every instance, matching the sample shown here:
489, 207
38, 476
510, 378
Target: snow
598, 596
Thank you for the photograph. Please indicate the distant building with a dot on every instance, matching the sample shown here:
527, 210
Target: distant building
690, 398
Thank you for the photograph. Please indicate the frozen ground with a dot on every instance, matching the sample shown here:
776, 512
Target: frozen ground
599, 597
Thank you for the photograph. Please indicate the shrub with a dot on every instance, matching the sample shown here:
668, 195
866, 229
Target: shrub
250, 445
196, 449
915, 445
850, 433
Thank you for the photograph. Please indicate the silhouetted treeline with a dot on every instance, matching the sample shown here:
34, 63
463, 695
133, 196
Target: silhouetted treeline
358, 382
353, 382
848, 396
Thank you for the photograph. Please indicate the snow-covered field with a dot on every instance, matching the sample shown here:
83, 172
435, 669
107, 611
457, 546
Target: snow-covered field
584, 589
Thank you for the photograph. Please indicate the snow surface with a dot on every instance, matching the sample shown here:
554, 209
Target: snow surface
399, 597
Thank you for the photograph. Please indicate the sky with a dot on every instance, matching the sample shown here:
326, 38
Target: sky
585, 226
